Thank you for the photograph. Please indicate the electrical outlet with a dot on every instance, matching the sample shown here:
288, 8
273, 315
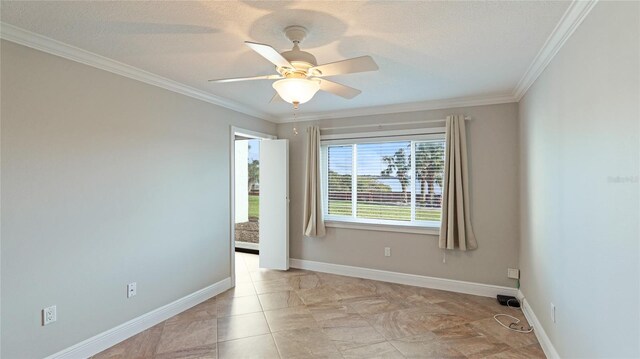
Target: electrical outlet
513, 273
49, 315
131, 289
387, 251
553, 312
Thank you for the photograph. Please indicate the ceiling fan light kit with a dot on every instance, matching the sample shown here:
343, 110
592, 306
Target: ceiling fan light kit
299, 75
295, 90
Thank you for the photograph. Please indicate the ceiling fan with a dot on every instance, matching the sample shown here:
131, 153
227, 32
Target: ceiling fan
298, 73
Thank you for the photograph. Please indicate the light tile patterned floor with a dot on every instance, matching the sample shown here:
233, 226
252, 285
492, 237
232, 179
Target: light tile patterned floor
303, 314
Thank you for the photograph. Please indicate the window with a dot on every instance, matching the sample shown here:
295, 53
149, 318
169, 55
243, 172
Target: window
393, 180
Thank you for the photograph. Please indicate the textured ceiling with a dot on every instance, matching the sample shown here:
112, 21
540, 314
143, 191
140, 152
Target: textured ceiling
426, 50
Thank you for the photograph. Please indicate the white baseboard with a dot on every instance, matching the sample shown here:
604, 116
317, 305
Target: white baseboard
543, 339
111, 337
485, 290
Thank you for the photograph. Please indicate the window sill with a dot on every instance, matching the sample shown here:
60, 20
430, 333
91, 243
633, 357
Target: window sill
435, 231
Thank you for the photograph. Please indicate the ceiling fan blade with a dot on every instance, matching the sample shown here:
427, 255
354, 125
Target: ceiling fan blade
350, 66
237, 79
338, 89
269, 53
276, 98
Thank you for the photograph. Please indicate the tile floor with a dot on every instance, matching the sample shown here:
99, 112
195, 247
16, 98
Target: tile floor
303, 314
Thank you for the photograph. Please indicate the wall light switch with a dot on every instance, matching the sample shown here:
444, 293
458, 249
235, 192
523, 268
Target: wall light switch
513, 273
387, 251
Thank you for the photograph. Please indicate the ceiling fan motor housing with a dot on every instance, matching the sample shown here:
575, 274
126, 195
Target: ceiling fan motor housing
301, 60
297, 57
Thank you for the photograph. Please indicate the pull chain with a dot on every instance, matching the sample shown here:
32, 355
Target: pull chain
295, 118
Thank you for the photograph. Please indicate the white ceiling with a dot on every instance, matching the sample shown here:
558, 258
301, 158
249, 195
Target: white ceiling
426, 51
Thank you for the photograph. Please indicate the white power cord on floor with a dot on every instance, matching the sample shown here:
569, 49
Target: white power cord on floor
515, 322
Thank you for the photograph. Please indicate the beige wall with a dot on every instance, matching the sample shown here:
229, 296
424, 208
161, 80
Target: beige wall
580, 239
493, 160
105, 181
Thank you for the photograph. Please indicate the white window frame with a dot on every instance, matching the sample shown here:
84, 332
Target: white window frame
352, 222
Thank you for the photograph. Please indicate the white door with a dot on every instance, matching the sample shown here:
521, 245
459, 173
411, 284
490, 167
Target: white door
274, 204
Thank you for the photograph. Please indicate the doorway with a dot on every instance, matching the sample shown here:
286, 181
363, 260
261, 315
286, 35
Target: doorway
259, 198
246, 188
247, 194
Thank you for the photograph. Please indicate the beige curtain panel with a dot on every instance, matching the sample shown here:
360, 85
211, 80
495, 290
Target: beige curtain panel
455, 229
313, 219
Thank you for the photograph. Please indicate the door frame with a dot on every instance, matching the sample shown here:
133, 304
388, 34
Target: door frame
232, 195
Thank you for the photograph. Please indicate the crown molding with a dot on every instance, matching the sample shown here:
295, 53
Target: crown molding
42, 43
405, 107
572, 18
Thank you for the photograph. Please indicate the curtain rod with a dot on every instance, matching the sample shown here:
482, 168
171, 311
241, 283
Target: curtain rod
380, 125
